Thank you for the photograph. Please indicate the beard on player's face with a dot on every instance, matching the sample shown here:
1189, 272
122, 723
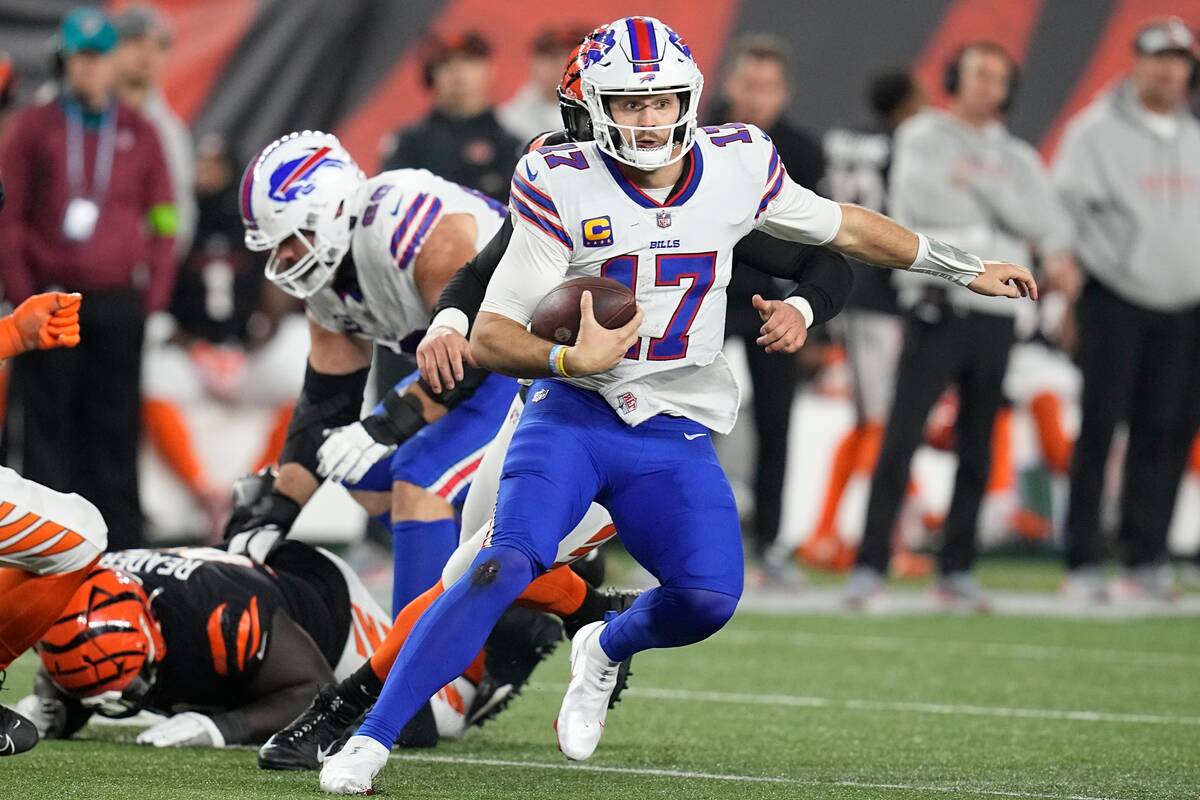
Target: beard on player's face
294, 248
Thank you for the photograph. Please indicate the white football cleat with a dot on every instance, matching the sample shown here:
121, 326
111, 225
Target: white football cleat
353, 769
580, 722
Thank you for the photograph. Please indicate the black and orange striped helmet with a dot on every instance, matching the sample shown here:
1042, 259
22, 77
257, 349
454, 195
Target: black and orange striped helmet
104, 648
576, 120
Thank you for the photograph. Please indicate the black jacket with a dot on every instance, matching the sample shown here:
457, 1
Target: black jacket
476, 152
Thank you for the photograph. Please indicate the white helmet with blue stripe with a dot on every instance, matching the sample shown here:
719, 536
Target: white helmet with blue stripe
640, 56
305, 185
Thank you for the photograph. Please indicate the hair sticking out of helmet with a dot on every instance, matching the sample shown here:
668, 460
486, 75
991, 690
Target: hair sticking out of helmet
104, 648
302, 190
639, 56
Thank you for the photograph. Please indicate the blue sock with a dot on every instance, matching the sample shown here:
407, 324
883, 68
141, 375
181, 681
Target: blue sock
447, 636
419, 551
666, 616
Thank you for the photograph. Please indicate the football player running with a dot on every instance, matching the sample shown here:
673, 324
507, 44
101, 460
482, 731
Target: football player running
626, 415
823, 283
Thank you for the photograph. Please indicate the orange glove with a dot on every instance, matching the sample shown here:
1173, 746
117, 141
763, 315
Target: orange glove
42, 322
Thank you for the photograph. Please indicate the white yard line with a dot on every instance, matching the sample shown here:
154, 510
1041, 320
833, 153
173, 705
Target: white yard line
904, 602
945, 709
721, 776
1033, 652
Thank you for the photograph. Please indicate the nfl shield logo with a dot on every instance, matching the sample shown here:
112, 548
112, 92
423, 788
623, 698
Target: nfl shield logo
663, 218
627, 403
540, 395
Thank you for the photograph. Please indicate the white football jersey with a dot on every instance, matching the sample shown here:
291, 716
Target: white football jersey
575, 214
399, 210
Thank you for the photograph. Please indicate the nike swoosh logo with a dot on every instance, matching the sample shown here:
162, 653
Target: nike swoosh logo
692, 436
530, 173
323, 753
262, 650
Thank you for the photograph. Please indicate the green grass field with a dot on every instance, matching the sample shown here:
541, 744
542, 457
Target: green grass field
776, 707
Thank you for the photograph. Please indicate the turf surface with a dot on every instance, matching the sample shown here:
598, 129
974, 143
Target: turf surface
776, 707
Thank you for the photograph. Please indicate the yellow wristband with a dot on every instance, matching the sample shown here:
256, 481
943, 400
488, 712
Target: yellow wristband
560, 362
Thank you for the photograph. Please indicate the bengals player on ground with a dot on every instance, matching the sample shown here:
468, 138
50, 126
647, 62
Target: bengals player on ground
230, 649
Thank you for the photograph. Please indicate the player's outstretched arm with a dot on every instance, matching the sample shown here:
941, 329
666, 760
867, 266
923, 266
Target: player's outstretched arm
876, 239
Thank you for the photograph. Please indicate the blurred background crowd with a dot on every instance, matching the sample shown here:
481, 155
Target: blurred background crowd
1061, 134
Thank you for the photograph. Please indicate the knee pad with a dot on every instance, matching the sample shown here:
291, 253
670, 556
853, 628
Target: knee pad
702, 612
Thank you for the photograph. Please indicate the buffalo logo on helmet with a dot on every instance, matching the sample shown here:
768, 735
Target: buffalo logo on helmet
291, 179
678, 40
597, 45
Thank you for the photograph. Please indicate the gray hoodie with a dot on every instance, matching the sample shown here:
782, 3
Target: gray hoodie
981, 189
1135, 197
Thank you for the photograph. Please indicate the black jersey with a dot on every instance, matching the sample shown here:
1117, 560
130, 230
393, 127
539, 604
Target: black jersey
856, 171
217, 612
220, 282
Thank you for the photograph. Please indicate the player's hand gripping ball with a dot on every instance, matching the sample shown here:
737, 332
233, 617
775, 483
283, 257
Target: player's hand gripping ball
556, 317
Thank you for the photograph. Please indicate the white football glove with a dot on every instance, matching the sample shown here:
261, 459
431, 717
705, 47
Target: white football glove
47, 714
256, 544
188, 729
348, 452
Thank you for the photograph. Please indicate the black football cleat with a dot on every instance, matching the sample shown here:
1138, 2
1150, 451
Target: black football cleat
592, 568
319, 732
17, 734
619, 600
521, 640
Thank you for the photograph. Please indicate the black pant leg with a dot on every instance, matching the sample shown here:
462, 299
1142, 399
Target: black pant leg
113, 325
773, 376
930, 357
1152, 467
43, 417
1109, 336
980, 395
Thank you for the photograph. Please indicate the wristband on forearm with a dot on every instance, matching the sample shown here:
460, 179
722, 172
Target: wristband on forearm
945, 261
402, 416
558, 361
452, 318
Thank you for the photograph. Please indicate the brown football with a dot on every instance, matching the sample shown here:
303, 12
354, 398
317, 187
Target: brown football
556, 317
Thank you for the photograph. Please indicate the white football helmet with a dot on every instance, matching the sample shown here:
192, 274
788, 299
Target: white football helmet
305, 185
640, 56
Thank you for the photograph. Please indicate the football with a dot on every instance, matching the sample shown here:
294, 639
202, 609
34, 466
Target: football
556, 317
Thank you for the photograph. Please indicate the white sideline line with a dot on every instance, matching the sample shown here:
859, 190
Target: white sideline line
720, 776
1034, 652
947, 709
